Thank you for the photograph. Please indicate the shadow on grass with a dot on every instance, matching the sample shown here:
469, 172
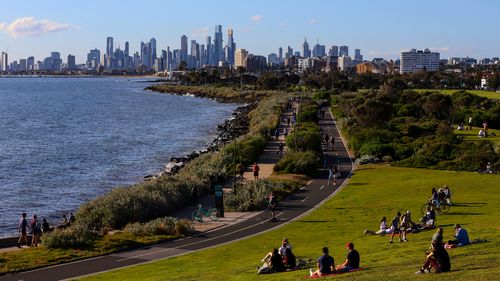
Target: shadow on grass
469, 204
315, 221
463, 214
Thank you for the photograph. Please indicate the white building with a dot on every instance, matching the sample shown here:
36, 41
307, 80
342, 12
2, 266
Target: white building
304, 64
4, 62
419, 60
345, 62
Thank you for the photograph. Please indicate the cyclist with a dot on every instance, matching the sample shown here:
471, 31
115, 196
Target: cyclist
435, 198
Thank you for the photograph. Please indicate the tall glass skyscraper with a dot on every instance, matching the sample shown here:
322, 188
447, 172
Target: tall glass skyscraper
231, 46
218, 50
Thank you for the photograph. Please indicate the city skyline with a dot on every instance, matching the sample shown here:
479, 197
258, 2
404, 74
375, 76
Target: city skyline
259, 27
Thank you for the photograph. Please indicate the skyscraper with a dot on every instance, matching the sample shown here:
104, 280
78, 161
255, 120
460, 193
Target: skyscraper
152, 52
357, 55
306, 52
218, 51
71, 62
109, 46
280, 54
343, 51
319, 50
289, 52
231, 46
334, 51
30, 63
209, 56
4, 62
240, 58
195, 54
93, 59
184, 48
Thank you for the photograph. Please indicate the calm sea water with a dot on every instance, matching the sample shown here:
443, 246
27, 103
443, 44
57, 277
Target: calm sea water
63, 141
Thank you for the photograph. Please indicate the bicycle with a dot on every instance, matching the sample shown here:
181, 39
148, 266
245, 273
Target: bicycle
201, 212
444, 207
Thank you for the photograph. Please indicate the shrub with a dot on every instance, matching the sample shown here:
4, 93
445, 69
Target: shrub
376, 149
159, 226
306, 136
184, 228
74, 237
308, 113
250, 196
306, 163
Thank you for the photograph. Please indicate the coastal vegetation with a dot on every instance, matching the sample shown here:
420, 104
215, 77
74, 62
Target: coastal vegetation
416, 129
374, 191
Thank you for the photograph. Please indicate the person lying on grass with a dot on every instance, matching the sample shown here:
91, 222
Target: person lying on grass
383, 228
352, 260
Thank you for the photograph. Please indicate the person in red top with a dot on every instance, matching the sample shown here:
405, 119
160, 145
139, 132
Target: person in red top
256, 170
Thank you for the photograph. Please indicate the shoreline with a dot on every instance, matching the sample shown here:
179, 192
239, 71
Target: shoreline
229, 128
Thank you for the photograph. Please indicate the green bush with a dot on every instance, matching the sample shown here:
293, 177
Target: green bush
159, 226
250, 196
308, 113
376, 149
306, 136
74, 237
184, 228
306, 163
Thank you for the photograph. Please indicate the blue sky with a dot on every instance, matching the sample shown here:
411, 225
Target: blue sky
379, 28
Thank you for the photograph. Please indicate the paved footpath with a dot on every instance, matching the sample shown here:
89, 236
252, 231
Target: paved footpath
306, 199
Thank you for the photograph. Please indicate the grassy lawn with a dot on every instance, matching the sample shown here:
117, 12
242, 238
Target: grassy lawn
481, 93
374, 191
32, 258
471, 135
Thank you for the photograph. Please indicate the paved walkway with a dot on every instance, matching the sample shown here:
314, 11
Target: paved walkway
239, 226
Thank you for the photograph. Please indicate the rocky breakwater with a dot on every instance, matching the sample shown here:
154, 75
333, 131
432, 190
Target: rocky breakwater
233, 127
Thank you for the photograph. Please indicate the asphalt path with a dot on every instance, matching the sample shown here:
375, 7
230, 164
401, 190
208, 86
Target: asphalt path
297, 205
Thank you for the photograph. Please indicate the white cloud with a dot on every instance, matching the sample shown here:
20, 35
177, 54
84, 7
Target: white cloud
29, 26
200, 32
442, 49
256, 18
313, 21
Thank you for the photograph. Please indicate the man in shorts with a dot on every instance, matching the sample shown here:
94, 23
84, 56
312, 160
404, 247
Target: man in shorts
255, 169
273, 201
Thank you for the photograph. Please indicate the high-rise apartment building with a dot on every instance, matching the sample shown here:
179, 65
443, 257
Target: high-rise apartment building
343, 51
280, 54
93, 59
152, 52
289, 52
319, 50
418, 60
240, 58
210, 49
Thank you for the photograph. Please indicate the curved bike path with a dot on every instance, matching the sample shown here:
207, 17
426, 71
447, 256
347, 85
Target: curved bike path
295, 206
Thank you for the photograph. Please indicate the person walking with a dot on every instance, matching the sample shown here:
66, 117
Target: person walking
36, 229
23, 225
330, 176
332, 142
255, 169
272, 205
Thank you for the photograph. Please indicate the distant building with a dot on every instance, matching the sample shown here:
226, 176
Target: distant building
357, 56
30, 63
4, 62
419, 60
334, 51
318, 51
93, 59
240, 58
306, 52
344, 63
303, 64
256, 63
231, 47
218, 51
71, 62
343, 51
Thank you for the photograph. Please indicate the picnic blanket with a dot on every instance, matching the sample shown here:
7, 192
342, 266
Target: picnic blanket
333, 274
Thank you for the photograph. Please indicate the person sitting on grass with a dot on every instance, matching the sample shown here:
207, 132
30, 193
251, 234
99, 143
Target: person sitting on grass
352, 260
284, 245
273, 262
438, 259
325, 264
429, 219
383, 229
395, 227
461, 237
289, 259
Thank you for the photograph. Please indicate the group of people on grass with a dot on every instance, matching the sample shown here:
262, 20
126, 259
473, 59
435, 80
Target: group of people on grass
37, 229
283, 259
326, 264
